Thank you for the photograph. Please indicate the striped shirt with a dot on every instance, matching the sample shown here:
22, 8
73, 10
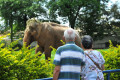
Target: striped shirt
70, 57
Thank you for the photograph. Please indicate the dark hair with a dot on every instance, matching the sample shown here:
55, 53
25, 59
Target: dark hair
87, 42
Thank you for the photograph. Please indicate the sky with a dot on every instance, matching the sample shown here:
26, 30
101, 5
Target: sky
112, 2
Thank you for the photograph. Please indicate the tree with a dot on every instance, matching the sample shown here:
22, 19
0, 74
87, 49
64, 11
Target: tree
115, 22
110, 22
90, 20
70, 9
17, 12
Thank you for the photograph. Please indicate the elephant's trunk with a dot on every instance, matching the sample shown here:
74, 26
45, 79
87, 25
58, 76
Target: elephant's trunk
27, 39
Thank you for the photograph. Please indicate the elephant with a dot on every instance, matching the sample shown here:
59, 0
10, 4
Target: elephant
46, 34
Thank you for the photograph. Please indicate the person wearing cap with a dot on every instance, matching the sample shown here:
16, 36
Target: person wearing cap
94, 61
68, 58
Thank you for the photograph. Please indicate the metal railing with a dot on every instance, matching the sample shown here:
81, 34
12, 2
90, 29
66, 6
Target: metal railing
44, 79
106, 71
110, 71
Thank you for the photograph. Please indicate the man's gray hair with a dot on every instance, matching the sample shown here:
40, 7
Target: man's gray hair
70, 34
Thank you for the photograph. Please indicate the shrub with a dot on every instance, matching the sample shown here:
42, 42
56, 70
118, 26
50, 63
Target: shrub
4, 42
112, 60
22, 64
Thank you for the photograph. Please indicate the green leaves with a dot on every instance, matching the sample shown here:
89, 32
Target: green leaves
112, 59
72, 9
19, 11
23, 64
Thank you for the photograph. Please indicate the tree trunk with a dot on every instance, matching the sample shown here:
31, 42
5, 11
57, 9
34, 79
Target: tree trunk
72, 18
11, 36
25, 19
72, 25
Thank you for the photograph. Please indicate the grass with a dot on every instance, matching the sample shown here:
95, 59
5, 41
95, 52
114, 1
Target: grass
43, 55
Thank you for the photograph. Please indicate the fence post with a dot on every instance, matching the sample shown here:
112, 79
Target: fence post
108, 76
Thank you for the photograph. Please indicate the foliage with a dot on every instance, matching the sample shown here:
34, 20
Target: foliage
91, 20
71, 9
17, 12
112, 60
21, 10
115, 24
3, 42
22, 64
25, 65
110, 21
65, 8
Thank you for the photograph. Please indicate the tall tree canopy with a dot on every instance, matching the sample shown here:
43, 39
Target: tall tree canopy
114, 20
17, 12
71, 9
90, 20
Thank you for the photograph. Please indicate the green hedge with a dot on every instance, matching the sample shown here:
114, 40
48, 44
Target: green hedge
112, 60
23, 64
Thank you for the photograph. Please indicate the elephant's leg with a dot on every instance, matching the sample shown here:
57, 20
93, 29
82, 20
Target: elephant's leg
39, 49
47, 53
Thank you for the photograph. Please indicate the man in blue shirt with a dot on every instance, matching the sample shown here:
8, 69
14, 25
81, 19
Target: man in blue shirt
68, 58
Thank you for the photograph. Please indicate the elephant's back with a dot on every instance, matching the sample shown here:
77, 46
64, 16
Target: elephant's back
58, 36
53, 24
57, 31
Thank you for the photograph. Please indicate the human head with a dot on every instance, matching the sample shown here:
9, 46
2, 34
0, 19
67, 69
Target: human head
69, 35
87, 42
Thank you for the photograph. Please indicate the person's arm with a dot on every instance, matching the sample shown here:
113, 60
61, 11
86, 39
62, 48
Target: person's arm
102, 61
83, 61
103, 67
56, 72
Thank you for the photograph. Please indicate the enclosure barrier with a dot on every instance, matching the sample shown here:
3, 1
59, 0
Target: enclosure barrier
110, 71
44, 79
106, 71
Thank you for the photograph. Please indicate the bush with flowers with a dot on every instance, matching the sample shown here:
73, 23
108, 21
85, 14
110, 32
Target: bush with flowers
22, 64
112, 60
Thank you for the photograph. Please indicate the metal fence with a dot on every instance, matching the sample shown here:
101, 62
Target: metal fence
110, 71
106, 71
45, 79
